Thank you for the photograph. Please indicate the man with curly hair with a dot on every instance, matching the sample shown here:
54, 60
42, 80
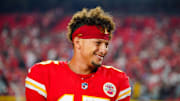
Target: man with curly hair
83, 78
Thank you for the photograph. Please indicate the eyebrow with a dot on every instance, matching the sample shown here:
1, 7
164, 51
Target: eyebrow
102, 40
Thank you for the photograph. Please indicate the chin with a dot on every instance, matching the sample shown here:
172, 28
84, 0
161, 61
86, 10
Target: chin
96, 64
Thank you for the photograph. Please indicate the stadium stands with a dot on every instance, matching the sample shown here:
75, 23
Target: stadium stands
147, 48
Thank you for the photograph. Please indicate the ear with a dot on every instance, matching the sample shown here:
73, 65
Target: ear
77, 43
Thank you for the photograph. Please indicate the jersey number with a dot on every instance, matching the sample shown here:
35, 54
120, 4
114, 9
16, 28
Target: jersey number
70, 97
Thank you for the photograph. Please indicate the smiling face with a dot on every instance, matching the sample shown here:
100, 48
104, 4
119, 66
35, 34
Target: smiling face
92, 51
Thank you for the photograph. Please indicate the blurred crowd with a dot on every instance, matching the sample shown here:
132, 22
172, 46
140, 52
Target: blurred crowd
147, 48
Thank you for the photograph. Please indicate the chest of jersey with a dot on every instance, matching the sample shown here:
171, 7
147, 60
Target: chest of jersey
64, 85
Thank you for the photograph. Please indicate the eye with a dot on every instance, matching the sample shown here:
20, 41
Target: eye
98, 43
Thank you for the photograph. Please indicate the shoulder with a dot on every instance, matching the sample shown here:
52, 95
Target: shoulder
114, 71
38, 76
112, 68
45, 66
39, 72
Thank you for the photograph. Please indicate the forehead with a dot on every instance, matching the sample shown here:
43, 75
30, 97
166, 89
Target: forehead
96, 40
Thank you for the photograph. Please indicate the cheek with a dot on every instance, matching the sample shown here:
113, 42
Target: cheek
86, 51
89, 52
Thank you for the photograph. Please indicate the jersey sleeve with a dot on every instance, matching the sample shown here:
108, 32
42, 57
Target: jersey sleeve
35, 88
125, 89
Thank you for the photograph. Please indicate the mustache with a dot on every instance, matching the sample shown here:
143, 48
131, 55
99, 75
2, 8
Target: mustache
100, 54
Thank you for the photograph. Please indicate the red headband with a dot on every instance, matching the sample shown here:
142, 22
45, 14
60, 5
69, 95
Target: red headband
90, 32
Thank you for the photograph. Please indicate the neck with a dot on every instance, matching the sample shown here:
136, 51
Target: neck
78, 66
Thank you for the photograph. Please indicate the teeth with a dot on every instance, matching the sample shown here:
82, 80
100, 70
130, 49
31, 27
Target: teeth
101, 57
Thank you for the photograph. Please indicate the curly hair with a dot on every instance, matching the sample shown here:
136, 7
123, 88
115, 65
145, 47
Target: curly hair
94, 16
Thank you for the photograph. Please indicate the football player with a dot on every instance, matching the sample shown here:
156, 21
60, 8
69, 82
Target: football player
83, 78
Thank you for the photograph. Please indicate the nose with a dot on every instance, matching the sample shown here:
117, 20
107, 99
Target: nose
103, 49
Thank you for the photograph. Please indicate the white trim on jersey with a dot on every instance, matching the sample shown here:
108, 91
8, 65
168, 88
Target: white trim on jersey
36, 86
123, 94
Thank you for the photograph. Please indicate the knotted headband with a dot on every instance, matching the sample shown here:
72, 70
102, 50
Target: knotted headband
90, 32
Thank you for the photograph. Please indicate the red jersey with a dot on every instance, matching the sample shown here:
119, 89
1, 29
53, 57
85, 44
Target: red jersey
54, 81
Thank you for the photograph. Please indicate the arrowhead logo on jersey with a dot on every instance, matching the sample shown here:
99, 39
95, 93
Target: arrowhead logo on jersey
109, 89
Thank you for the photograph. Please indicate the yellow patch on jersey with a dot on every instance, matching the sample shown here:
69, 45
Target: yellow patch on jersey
112, 68
49, 62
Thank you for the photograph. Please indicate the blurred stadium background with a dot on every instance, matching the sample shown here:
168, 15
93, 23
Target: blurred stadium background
146, 43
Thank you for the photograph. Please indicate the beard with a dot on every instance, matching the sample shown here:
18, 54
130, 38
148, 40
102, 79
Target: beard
95, 66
